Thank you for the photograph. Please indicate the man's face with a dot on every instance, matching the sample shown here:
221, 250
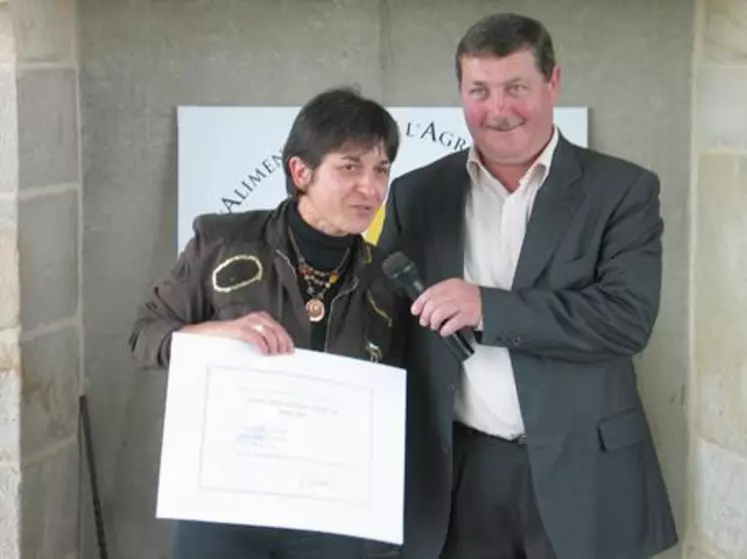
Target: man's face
508, 105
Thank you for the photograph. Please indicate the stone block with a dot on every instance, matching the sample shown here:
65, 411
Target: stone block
696, 553
47, 127
45, 30
725, 37
10, 398
51, 373
721, 500
8, 213
8, 131
48, 241
10, 511
721, 107
7, 44
9, 278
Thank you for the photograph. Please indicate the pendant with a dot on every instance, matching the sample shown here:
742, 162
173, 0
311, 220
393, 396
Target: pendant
315, 308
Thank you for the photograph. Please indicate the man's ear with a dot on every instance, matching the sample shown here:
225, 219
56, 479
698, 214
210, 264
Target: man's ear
554, 82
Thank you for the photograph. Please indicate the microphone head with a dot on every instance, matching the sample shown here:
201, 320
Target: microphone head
402, 272
396, 265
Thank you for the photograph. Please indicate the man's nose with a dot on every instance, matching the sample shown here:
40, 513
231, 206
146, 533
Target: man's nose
498, 103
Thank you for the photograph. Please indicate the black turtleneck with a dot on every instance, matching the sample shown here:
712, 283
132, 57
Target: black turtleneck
323, 252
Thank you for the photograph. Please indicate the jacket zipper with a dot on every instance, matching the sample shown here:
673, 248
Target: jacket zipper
287, 261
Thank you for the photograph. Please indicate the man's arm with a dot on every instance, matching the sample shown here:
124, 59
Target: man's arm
614, 315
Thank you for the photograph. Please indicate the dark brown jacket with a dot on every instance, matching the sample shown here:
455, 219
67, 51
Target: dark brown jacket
238, 263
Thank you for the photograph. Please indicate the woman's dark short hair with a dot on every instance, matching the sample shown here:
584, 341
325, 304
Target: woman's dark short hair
333, 120
500, 35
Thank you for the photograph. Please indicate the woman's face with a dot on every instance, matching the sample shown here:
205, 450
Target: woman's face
342, 195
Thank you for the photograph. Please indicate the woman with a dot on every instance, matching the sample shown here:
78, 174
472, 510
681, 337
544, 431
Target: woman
300, 275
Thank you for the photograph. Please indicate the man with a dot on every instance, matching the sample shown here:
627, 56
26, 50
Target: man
549, 256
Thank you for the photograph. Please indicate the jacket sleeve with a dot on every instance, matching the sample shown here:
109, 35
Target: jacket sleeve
389, 240
177, 301
612, 316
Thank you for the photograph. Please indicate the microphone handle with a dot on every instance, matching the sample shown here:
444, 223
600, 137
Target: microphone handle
459, 346
456, 343
413, 289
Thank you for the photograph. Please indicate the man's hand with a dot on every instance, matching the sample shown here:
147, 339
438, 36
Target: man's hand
257, 328
449, 306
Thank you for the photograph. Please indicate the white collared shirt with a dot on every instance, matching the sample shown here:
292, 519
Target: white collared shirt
495, 225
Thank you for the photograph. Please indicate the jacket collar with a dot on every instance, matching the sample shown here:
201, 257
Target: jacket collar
278, 238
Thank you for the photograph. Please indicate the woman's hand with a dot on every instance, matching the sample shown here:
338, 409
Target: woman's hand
257, 328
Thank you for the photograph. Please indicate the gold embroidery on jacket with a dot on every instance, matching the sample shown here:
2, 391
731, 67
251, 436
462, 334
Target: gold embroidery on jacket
239, 284
373, 351
378, 311
367, 256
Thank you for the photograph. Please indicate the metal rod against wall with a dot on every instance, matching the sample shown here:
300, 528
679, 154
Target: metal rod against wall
88, 440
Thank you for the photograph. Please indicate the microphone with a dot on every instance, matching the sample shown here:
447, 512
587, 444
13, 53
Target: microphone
402, 271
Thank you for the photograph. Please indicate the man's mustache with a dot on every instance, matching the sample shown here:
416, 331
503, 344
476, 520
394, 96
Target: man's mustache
505, 124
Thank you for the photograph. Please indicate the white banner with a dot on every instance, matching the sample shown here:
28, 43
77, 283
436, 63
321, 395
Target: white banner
230, 157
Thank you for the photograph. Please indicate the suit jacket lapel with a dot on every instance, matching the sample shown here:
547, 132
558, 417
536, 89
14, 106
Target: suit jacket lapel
448, 209
554, 206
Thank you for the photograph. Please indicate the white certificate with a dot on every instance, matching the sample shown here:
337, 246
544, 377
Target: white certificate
309, 441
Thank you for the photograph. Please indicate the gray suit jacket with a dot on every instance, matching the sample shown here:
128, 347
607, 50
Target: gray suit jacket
584, 301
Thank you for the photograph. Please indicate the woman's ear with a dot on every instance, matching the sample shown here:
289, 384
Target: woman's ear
300, 173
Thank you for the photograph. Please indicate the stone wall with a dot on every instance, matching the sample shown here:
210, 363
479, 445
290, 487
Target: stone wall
40, 312
718, 457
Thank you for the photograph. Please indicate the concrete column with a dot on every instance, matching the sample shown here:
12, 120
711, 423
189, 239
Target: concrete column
10, 371
40, 315
718, 510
